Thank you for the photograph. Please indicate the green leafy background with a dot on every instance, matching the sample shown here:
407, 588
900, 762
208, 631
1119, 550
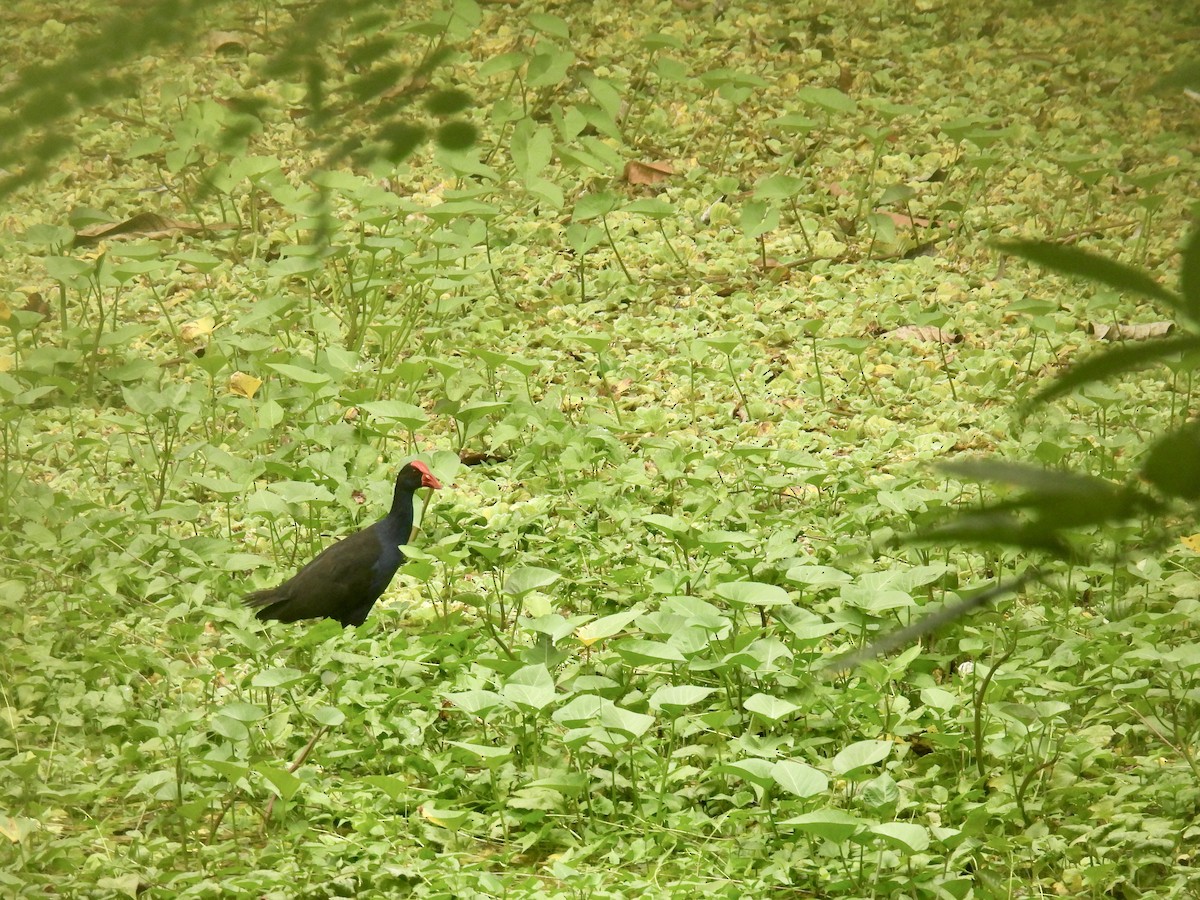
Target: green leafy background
694, 433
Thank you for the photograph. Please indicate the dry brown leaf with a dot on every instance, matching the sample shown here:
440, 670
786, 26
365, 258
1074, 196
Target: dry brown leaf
904, 221
478, 457
226, 42
769, 263
143, 225
1123, 332
845, 78
34, 302
637, 172
244, 385
923, 333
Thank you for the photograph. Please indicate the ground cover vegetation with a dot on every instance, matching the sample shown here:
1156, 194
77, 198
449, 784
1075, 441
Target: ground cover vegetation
682, 304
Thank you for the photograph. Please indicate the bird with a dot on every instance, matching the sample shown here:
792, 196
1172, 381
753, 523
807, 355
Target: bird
346, 578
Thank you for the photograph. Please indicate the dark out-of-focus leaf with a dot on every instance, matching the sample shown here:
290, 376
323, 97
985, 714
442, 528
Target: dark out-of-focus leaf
1058, 499
1184, 75
996, 528
448, 102
1052, 482
1093, 267
456, 135
1173, 465
1123, 358
1189, 275
951, 612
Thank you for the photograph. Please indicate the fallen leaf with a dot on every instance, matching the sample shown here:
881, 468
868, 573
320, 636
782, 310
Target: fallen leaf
478, 458
143, 225
904, 221
845, 78
244, 385
34, 302
647, 172
1122, 332
924, 333
193, 331
226, 42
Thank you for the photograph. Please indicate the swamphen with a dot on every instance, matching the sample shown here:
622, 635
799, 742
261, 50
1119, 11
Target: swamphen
346, 578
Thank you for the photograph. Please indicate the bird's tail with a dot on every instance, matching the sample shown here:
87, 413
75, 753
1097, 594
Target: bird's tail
261, 598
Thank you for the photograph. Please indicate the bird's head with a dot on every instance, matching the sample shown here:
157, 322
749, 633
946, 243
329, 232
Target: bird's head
417, 475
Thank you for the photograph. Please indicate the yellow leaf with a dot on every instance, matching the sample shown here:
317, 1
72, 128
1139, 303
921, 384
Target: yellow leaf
193, 331
16, 829
244, 385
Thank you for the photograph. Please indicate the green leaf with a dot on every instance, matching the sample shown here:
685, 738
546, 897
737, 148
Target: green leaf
669, 524
799, 779
582, 710
752, 593
405, 414
652, 207
394, 787
530, 688
648, 653
444, 818
329, 716
860, 755
606, 626
902, 835
301, 492
283, 782
770, 708
550, 24
833, 825
231, 772
674, 698
244, 562
229, 728
242, 712
828, 99
818, 577
477, 703
629, 724
278, 677
485, 753
529, 578
756, 771
305, 376
593, 206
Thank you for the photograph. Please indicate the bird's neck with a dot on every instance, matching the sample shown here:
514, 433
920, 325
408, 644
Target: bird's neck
399, 521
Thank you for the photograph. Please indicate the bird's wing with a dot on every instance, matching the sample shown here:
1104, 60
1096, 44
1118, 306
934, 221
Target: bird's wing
337, 581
